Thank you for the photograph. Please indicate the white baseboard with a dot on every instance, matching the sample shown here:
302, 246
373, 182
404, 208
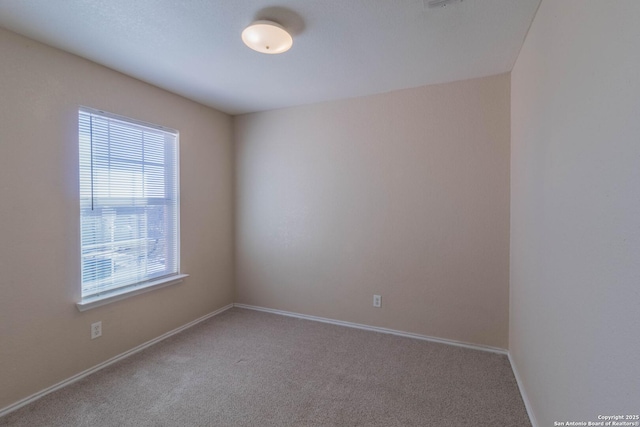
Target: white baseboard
523, 393
73, 379
375, 329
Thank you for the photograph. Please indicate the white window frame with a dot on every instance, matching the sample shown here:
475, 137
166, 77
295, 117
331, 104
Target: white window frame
130, 289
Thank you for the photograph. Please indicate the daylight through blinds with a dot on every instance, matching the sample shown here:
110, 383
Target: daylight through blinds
128, 203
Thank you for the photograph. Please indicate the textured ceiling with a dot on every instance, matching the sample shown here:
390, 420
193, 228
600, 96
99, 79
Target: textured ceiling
341, 48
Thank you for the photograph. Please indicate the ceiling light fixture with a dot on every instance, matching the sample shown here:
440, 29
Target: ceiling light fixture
267, 37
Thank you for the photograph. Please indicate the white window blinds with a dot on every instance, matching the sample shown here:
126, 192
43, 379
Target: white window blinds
128, 203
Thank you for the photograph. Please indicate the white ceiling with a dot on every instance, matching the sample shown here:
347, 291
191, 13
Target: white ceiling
341, 48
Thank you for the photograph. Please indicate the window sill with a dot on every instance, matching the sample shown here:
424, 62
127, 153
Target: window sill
97, 301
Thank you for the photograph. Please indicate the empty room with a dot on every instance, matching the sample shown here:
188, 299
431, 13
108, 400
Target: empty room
320, 213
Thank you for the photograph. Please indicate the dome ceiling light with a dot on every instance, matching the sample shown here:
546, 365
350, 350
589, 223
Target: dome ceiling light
267, 37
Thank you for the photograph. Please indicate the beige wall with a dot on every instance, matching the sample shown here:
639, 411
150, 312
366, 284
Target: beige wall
575, 211
404, 194
43, 337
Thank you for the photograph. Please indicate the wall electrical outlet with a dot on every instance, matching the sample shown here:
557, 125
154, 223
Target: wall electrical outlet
96, 330
377, 301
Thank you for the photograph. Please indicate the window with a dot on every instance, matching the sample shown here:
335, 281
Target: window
129, 206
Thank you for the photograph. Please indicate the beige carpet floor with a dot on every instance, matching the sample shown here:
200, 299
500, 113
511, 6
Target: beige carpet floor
248, 368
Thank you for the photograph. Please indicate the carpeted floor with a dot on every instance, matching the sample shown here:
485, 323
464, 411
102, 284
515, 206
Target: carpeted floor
248, 368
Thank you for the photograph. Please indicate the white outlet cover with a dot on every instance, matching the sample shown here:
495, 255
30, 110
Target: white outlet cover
96, 330
377, 301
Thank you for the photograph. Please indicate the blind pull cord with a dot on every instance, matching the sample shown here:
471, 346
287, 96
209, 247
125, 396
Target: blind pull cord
91, 145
